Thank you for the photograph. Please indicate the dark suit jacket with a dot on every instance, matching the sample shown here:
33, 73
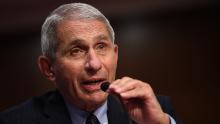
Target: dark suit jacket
50, 109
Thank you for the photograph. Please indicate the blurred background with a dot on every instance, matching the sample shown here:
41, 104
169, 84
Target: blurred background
172, 44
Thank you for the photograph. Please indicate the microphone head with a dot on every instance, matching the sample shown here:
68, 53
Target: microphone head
105, 85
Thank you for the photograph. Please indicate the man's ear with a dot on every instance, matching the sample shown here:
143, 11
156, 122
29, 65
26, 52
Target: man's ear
45, 65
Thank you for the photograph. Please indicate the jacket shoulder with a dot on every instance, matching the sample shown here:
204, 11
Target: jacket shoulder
28, 111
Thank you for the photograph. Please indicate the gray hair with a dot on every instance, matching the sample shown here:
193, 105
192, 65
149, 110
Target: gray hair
75, 11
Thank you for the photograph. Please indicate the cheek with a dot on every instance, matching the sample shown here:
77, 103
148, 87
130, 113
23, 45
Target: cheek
111, 65
68, 72
67, 77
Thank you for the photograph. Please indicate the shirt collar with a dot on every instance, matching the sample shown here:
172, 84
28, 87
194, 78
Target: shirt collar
101, 113
79, 116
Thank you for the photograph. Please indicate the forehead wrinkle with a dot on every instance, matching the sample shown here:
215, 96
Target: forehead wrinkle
76, 41
78, 36
82, 26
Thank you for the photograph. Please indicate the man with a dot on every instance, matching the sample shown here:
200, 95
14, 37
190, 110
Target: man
79, 54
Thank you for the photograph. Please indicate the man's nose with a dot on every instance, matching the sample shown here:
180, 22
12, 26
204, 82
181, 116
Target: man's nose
93, 63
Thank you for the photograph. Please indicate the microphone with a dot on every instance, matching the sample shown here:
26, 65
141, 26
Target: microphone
104, 86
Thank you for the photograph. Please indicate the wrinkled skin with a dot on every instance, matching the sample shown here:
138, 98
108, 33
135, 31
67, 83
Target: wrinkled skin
86, 57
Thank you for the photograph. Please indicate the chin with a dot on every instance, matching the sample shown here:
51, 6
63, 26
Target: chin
98, 97
95, 100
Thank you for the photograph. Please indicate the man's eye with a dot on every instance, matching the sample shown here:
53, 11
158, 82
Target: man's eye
76, 52
101, 46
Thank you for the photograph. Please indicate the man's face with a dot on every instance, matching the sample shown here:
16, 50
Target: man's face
85, 58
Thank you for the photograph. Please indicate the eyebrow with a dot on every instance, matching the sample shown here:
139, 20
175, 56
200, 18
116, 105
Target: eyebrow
76, 41
102, 37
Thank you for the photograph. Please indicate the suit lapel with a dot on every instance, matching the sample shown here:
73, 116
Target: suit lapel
55, 110
116, 112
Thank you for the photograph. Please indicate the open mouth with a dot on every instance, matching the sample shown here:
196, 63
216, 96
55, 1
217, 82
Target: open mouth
93, 82
92, 85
